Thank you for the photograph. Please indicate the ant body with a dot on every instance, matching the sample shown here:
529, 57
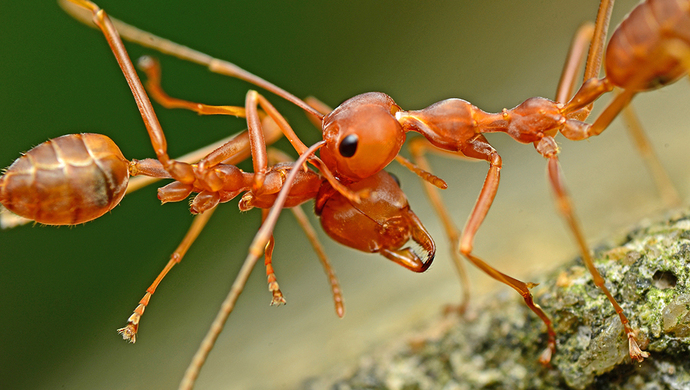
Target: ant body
376, 168
77, 178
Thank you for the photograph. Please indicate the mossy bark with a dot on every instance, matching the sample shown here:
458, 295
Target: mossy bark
497, 344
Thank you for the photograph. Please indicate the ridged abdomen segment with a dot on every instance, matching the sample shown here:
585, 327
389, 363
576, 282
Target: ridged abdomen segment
67, 180
636, 53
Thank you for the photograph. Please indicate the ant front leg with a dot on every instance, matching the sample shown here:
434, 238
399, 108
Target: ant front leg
479, 148
254, 143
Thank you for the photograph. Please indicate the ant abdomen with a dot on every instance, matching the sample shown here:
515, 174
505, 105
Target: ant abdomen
639, 45
68, 180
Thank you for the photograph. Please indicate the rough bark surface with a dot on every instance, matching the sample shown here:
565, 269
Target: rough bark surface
496, 345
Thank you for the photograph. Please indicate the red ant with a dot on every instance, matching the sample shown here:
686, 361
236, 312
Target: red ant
77, 178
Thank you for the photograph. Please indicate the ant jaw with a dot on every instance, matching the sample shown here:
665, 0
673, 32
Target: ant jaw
408, 256
422, 237
425, 254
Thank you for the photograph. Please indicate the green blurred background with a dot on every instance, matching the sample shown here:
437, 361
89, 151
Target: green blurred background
64, 291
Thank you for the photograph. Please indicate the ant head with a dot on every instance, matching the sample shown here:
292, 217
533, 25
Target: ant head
381, 223
378, 221
362, 136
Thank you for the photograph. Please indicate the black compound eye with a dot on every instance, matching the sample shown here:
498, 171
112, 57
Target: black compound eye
348, 146
395, 179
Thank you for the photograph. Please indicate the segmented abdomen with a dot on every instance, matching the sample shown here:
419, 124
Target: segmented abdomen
636, 56
67, 180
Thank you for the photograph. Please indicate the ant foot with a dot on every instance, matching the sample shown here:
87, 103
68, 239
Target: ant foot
545, 357
459, 309
129, 332
636, 353
547, 354
278, 298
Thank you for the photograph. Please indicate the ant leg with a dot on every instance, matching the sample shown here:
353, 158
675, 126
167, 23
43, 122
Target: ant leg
418, 147
178, 170
255, 249
580, 105
77, 9
257, 142
278, 298
151, 67
596, 49
480, 149
668, 191
129, 332
596, 52
565, 90
321, 254
253, 100
523, 289
574, 59
276, 156
565, 207
271, 132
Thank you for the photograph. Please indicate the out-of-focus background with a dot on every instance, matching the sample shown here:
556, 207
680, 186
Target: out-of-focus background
64, 291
